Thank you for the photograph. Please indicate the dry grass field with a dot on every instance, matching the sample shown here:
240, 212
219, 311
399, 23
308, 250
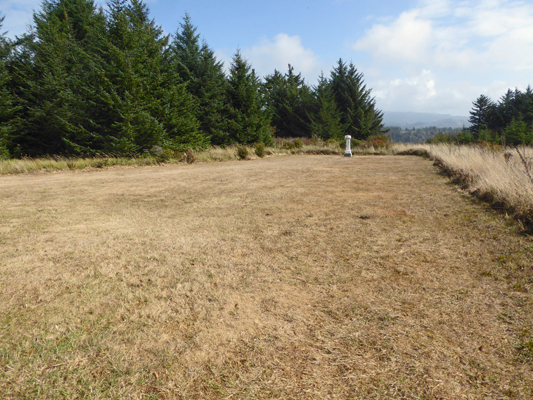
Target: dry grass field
302, 277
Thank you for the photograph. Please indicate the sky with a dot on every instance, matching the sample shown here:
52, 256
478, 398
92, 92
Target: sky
434, 56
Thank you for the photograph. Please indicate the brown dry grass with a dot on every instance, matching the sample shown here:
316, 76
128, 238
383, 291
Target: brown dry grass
308, 277
503, 177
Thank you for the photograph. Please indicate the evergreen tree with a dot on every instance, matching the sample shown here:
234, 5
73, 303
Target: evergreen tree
515, 105
197, 66
326, 119
525, 105
89, 84
274, 95
505, 112
480, 116
51, 71
143, 103
186, 48
83, 82
509, 120
518, 132
7, 107
18, 69
133, 46
357, 108
248, 122
288, 100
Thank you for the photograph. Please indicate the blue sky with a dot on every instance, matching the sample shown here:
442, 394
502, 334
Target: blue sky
416, 55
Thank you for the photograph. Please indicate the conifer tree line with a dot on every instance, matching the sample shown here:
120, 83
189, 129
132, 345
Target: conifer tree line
85, 80
509, 121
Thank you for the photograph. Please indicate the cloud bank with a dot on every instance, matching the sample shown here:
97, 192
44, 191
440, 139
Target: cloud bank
282, 51
441, 53
276, 54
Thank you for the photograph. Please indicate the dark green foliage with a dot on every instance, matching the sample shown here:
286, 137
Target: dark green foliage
288, 99
325, 118
83, 81
50, 70
509, 121
7, 107
211, 98
481, 114
358, 114
129, 92
197, 66
247, 122
339, 106
186, 52
519, 132
145, 104
454, 136
90, 83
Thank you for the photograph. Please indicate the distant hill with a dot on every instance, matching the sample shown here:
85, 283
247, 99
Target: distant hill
423, 120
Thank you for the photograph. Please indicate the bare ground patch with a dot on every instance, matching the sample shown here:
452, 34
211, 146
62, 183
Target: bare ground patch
295, 277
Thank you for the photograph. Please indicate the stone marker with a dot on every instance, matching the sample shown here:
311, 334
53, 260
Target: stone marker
348, 151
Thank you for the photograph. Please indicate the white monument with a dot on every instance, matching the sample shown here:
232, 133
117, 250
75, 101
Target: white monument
348, 151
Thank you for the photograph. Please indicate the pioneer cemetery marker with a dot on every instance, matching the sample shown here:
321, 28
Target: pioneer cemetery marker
348, 151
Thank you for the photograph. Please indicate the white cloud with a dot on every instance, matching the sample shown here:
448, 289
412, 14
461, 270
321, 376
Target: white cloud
412, 92
435, 8
269, 55
473, 35
442, 54
425, 92
406, 38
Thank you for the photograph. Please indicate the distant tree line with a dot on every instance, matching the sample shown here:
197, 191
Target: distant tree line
419, 135
84, 81
509, 121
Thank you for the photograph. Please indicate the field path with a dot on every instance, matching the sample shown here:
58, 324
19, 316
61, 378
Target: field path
302, 277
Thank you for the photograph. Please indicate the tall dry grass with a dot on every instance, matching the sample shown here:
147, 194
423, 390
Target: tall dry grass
212, 154
57, 163
501, 176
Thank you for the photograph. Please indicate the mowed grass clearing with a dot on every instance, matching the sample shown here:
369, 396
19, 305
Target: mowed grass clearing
303, 277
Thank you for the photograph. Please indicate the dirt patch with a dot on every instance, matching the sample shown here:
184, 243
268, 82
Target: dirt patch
291, 277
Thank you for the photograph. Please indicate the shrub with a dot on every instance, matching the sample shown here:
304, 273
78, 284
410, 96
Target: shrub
354, 143
298, 144
189, 157
242, 153
260, 149
156, 151
311, 141
378, 141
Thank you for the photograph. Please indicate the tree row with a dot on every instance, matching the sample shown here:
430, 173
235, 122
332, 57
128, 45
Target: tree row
84, 81
509, 121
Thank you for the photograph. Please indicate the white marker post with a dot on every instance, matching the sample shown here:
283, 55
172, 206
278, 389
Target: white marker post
348, 152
